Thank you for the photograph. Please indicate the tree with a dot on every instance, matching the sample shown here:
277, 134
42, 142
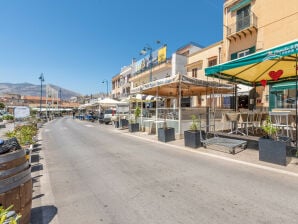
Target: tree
2, 106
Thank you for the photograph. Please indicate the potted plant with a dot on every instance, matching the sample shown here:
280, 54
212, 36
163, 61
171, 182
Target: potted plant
165, 133
273, 148
192, 137
133, 126
7, 216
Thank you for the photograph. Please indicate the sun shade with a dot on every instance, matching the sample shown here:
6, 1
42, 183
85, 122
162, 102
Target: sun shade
268, 66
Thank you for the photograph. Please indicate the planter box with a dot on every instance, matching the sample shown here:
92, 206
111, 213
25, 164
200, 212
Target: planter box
193, 138
272, 151
134, 127
166, 135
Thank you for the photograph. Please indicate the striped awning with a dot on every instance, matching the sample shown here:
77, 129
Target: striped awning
143, 97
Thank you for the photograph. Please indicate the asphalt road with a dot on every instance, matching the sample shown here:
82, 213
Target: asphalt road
100, 175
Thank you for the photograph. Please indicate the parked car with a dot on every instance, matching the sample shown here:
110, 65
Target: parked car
108, 114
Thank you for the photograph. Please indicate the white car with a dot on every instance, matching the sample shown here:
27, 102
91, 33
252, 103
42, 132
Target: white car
108, 114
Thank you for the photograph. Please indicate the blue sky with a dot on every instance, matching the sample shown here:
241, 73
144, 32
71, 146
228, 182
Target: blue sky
79, 43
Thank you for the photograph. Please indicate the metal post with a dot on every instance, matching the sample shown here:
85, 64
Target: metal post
41, 78
296, 68
150, 64
106, 81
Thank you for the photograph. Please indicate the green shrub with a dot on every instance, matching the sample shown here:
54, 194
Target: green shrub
7, 117
4, 213
24, 134
194, 124
270, 130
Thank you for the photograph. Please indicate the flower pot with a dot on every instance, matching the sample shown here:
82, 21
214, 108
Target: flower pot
277, 152
193, 138
133, 127
166, 134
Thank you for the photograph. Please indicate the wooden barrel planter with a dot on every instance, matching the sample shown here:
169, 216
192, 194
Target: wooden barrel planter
16, 183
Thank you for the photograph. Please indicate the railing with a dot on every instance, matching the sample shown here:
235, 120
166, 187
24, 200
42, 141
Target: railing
243, 23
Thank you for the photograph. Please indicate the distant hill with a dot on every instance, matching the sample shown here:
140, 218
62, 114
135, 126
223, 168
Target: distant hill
29, 89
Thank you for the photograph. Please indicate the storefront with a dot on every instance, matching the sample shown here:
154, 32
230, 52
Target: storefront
283, 95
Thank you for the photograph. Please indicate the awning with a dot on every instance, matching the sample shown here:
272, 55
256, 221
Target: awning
240, 5
189, 86
283, 86
273, 65
143, 98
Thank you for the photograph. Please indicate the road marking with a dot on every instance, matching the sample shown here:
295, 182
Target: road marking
47, 130
89, 125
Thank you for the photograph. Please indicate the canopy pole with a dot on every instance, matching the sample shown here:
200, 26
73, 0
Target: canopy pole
179, 112
141, 111
296, 67
156, 112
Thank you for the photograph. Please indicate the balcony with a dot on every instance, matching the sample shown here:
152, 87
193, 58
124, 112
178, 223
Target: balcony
245, 25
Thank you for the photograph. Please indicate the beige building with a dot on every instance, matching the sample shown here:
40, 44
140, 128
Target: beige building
254, 25
249, 26
196, 64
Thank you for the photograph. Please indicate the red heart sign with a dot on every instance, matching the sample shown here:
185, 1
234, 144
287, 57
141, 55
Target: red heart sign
263, 82
275, 75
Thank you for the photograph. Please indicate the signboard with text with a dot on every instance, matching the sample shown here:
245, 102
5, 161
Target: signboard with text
21, 112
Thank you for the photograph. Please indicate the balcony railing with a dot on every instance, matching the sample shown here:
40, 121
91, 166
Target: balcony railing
242, 24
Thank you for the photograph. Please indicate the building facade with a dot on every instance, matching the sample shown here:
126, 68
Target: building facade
254, 25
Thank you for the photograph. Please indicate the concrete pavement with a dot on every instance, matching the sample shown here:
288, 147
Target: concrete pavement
42, 196
248, 157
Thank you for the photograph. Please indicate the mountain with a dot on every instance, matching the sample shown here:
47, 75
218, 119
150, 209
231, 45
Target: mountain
29, 89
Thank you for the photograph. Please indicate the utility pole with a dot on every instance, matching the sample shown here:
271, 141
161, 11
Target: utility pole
41, 78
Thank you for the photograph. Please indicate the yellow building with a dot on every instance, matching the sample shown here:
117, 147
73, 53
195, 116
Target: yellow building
249, 26
254, 25
196, 64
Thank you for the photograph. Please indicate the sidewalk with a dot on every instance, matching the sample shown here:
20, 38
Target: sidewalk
249, 157
8, 127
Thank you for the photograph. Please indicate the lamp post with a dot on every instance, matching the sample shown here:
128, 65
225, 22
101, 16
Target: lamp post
41, 78
144, 51
106, 81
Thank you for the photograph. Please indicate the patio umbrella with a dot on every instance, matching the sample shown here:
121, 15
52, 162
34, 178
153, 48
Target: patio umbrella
268, 66
274, 65
108, 102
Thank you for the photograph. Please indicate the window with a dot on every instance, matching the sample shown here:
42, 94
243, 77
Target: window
241, 54
212, 61
243, 18
195, 73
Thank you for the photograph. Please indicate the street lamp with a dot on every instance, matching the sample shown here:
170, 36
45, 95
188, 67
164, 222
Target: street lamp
41, 78
106, 81
144, 51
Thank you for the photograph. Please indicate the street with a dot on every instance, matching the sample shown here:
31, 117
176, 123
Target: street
98, 174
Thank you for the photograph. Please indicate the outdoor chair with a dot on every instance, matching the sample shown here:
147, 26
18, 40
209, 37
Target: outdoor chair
233, 119
246, 122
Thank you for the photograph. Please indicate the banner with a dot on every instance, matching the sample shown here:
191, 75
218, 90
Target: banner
162, 54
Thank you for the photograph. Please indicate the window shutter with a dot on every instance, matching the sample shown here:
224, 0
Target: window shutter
233, 56
252, 50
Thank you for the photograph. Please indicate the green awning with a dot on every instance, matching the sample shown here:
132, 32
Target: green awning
271, 65
283, 86
240, 5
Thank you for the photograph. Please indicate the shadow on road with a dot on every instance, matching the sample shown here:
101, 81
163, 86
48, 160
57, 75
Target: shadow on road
43, 214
